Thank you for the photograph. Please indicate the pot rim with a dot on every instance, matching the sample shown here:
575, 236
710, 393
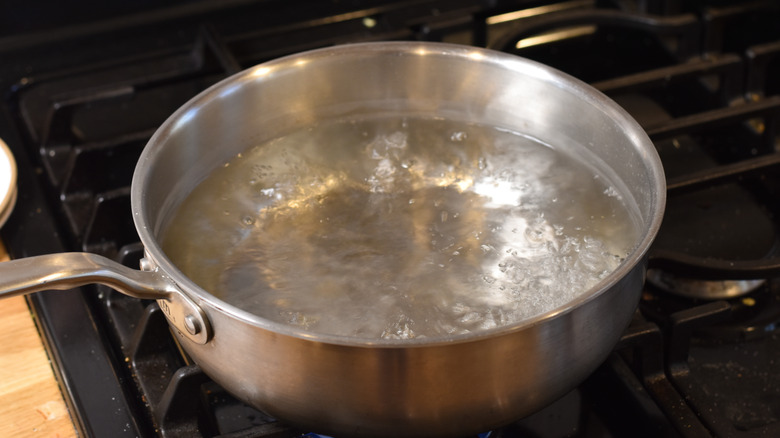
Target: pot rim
579, 89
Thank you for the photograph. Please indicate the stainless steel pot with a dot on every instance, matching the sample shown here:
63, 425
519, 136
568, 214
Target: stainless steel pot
344, 386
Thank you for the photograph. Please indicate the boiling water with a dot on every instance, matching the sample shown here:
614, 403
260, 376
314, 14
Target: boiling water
401, 228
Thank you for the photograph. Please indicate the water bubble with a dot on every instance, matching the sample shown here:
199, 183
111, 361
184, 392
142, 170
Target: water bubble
458, 136
612, 192
470, 317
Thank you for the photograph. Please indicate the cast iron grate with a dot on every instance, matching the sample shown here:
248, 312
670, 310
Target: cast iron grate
712, 93
92, 124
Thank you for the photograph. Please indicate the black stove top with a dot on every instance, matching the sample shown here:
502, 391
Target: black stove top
85, 86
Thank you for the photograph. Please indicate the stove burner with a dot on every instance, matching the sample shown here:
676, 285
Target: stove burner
753, 316
701, 289
749, 316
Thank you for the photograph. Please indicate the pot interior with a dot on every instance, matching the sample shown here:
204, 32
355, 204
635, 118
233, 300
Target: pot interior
397, 81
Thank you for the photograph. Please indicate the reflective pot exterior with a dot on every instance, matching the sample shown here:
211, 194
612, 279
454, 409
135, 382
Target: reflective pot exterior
444, 389
459, 386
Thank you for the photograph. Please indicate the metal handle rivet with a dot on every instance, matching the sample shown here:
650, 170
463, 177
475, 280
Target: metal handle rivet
191, 324
146, 264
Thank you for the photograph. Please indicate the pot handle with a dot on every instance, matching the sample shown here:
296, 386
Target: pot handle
73, 269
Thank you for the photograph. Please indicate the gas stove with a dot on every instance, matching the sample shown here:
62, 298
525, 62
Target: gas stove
85, 87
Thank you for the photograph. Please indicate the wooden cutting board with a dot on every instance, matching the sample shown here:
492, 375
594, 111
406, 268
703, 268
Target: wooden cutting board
31, 404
